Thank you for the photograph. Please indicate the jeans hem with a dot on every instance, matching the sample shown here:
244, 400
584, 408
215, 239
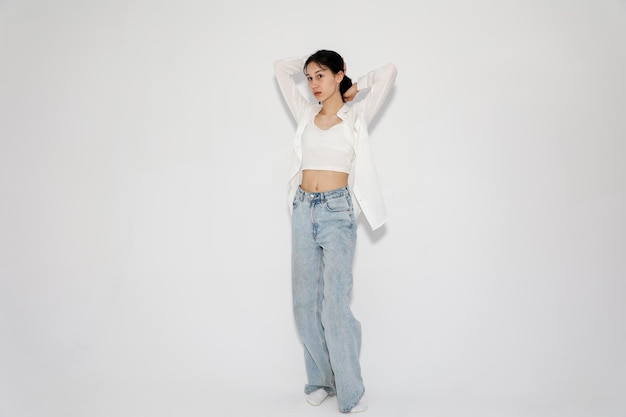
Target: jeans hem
353, 404
312, 388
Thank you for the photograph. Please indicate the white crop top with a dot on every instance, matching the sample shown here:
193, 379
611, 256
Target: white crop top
327, 150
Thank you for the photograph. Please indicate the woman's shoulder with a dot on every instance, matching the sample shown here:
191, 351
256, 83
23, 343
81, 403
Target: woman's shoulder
349, 112
310, 109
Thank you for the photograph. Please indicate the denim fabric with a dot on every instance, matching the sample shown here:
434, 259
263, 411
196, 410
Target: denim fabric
323, 243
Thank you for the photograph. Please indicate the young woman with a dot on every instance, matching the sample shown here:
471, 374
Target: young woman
332, 180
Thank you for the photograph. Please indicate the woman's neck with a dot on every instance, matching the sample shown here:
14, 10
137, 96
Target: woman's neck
332, 105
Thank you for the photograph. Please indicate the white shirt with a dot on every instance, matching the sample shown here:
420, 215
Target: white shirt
362, 180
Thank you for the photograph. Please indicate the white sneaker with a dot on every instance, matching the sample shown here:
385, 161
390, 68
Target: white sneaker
361, 406
317, 397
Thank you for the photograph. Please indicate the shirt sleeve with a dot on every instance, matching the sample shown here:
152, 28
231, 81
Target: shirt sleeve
379, 82
285, 70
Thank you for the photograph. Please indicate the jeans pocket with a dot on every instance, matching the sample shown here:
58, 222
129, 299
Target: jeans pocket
339, 204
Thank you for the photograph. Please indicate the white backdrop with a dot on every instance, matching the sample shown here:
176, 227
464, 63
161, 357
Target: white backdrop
144, 233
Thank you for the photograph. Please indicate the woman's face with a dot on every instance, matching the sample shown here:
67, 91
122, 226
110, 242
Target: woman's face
322, 82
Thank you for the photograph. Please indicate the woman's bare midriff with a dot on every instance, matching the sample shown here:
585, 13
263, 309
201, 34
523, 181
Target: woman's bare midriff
316, 181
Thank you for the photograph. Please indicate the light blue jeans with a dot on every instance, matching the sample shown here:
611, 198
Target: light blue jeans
323, 243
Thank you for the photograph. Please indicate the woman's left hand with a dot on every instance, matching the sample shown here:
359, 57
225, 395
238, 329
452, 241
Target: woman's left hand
350, 93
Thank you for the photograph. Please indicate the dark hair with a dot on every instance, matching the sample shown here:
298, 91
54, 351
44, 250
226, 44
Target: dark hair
334, 62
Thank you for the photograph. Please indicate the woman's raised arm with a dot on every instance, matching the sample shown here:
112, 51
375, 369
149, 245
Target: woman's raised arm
379, 82
285, 70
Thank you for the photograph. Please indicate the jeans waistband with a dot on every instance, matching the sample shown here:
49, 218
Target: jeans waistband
322, 196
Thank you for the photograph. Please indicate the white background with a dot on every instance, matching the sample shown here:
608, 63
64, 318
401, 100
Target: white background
144, 232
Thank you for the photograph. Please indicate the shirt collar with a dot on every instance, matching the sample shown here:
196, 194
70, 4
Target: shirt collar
342, 112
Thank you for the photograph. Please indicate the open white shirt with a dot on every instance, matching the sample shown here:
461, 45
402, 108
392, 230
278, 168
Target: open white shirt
362, 180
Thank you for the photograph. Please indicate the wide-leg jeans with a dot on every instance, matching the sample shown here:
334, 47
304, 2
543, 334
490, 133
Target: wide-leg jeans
323, 244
